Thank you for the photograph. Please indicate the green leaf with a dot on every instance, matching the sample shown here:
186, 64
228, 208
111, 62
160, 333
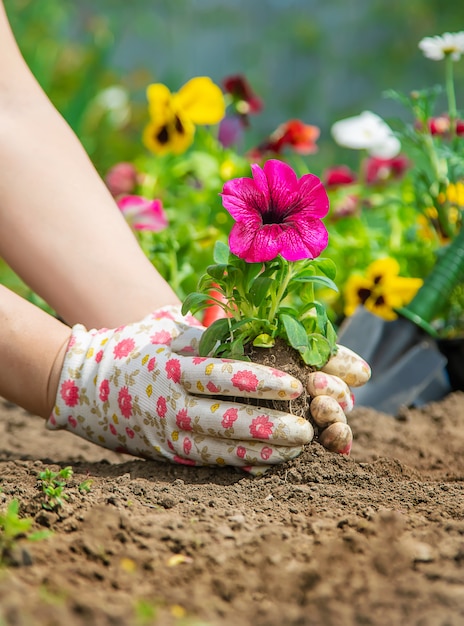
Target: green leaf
217, 332
221, 253
327, 267
296, 333
263, 341
195, 302
260, 289
252, 271
217, 271
320, 280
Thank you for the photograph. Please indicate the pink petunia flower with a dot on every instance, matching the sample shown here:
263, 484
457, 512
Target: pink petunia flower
70, 393
338, 175
125, 402
276, 213
245, 380
261, 427
143, 214
121, 178
229, 418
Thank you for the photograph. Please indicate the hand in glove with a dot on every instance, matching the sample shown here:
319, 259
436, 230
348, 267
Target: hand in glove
332, 398
133, 389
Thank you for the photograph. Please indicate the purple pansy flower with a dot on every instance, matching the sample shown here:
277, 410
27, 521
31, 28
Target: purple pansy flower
276, 213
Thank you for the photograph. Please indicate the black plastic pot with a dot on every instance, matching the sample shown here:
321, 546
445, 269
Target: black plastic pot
453, 350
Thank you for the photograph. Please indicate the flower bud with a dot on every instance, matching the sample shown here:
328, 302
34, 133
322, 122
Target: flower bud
337, 438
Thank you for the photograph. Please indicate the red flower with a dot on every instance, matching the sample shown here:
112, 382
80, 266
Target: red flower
261, 427
240, 452
339, 175
211, 387
294, 134
245, 380
104, 390
70, 393
151, 364
244, 99
183, 421
266, 453
229, 418
125, 402
382, 170
113, 429
161, 406
123, 348
173, 370
130, 433
72, 421
99, 356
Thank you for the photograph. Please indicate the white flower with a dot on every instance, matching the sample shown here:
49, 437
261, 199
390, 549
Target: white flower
436, 48
368, 132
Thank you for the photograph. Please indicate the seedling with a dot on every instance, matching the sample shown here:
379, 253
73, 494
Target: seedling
85, 486
12, 527
53, 485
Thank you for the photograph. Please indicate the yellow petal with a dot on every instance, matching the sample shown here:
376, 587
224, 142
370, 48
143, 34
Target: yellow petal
201, 101
165, 138
159, 103
149, 390
382, 268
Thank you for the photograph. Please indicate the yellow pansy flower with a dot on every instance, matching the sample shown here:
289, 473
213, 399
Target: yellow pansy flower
173, 116
381, 290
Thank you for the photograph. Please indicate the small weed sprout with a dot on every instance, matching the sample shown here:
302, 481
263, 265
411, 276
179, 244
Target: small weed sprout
53, 485
85, 486
12, 528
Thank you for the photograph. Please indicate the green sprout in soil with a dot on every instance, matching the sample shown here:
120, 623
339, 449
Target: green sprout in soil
12, 528
53, 486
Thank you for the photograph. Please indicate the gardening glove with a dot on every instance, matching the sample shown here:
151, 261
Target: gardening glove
329, 390
332, 399
129, 390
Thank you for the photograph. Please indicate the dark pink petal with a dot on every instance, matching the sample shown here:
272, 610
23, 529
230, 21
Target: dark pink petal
314, 200
254, 245
243, 200
306, 242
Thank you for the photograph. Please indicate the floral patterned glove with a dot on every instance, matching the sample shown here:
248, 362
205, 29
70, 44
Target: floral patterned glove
332, 398
133, 389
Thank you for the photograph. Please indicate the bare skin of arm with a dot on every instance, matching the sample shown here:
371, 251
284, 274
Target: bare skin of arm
61, 231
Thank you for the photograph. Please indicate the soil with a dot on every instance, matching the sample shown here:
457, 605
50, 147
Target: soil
373, 539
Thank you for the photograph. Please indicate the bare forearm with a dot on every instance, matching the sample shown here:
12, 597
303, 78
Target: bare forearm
32, 347
61, 230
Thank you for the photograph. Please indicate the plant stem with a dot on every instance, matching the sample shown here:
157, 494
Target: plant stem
284, 280
450, 93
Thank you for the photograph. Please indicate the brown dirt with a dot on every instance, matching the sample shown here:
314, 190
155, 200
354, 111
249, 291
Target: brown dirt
374, 539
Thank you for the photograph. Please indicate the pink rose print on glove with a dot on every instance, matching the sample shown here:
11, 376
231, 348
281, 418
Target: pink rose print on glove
70, 393
261, 427
183, 421
187, 446
245, 381
241, 452
125, 402
130, 433
212, 388
266, 453
179, 459
72, 420
123, 348
229, 418
99, 356
198, 359
113, 430
151, 364
173, 370
104, 390
161, 406
161, 337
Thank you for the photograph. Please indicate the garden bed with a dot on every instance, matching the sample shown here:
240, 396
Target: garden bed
374, 539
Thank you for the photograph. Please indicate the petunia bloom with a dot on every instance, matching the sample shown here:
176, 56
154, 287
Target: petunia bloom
381, 291
276, 213
245, 101
441, 46
367, 131
122, 178
294, 134
143, 214
338, 175
174, 115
